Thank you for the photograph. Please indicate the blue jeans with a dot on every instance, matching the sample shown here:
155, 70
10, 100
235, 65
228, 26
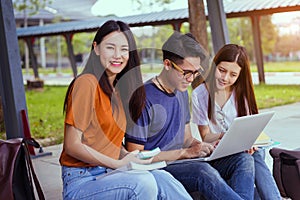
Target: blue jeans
231, 177
266, 187
95, 183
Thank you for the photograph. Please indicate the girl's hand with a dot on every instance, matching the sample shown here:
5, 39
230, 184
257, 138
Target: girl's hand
132, 157
252, 150
221, 135
215, 143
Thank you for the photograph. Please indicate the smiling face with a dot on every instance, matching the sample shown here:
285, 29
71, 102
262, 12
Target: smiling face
226, 74
177, 78
114, 52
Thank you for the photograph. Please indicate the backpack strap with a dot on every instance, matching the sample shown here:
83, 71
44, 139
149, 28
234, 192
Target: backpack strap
274, 152
298, 165
38, 187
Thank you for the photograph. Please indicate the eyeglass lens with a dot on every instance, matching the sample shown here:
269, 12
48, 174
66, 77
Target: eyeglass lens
186, 73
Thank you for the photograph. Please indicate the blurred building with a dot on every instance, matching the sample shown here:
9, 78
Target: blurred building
55, 11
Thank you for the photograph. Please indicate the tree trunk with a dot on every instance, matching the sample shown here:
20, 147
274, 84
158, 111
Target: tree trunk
197, 21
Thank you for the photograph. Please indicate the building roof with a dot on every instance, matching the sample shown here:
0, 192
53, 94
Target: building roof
237, 8
240, 8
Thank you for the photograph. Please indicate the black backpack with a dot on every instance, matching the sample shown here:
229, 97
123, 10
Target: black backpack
16, 170
286, 171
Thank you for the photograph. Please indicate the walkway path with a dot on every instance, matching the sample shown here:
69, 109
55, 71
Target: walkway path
271, 78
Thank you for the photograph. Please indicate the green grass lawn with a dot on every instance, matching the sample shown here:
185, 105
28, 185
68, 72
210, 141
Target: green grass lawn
45, 113
46, 116
293, 66
268, 96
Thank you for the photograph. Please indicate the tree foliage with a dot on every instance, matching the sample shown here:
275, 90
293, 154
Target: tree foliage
287, 44
268, 34
31, 5
149, 42
240, 32
81, 42
150, 3
153, 37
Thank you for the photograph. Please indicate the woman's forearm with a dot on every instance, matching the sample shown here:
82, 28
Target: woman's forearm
212, 137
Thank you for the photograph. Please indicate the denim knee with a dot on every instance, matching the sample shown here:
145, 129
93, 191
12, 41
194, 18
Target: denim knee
147, 186
206, 170
169, 187
246, 161
201, 171
259, 154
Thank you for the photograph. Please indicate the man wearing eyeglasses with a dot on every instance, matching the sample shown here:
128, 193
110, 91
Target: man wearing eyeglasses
164, 123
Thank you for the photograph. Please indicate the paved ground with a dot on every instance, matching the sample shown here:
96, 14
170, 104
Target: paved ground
284, 127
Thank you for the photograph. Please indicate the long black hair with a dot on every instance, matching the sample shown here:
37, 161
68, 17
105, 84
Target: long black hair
128, 82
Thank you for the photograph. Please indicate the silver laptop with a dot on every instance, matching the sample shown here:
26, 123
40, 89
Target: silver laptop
240, 136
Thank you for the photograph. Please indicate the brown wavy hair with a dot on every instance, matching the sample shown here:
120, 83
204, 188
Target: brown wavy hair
243, 86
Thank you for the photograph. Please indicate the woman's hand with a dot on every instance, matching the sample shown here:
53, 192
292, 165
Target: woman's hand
132, 157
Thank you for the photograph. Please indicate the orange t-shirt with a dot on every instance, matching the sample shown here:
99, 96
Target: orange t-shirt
90, 110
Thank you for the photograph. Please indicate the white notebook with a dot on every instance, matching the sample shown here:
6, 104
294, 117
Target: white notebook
151, 166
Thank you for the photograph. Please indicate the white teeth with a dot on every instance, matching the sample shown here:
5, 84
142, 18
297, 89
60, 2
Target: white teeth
116, 63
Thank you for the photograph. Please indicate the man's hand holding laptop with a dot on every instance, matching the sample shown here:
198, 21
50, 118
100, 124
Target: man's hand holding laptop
199, 149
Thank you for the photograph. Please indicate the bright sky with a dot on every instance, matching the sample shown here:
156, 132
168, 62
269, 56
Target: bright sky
285, 17
123, 8
129, 7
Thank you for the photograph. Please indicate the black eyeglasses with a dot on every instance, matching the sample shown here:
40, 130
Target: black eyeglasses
187, 73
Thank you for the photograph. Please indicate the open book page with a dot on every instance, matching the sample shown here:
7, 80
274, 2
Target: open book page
264, 140
135, 166
151, 166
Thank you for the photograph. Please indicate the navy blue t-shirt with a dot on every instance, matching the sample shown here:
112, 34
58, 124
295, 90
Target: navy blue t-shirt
163, 120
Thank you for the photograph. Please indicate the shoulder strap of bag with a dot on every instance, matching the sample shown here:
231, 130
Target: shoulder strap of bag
275, 152
31, 169
298, 166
